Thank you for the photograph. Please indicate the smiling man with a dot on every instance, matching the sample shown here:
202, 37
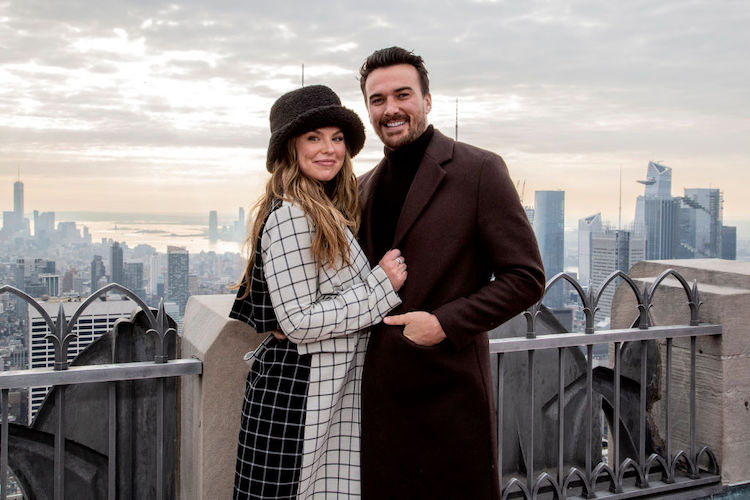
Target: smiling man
428, 426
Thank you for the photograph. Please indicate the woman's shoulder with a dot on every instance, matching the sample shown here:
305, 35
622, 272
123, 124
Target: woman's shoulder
285, 212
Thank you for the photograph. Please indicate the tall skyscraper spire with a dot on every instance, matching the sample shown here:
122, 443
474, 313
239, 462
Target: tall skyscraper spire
18, 198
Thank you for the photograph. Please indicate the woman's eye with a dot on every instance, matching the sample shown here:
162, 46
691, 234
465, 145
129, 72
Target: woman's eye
312, 138
339, 138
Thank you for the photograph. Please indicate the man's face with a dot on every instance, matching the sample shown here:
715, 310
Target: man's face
395, 104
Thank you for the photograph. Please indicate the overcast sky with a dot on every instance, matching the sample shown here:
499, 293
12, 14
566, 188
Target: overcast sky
141, 106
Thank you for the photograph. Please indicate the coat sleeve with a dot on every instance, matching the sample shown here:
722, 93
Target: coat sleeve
304, 314
507, 238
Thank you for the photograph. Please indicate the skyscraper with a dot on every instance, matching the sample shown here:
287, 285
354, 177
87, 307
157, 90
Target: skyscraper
97, 272
729, 242
154, 273
213, 225
177, 276
134, 278
657, 213
116, 264
549, 216
586, 227
241, 217
18, 199
14, 221
610, 251
44, 224
700, 224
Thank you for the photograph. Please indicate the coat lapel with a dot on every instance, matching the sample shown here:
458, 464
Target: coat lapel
429, 176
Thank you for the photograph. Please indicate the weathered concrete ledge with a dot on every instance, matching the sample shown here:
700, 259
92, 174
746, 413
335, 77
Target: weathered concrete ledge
210, 404
722, 362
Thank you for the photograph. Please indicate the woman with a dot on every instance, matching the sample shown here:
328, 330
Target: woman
310, 285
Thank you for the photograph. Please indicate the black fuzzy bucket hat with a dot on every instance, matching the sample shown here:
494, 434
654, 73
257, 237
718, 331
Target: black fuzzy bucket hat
309, 108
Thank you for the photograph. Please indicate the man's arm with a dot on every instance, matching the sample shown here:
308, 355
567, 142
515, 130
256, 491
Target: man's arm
506, 234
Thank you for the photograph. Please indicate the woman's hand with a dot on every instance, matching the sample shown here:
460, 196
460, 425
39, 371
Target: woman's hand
394, 266
278, 334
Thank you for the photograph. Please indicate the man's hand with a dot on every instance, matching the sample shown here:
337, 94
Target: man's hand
420, 327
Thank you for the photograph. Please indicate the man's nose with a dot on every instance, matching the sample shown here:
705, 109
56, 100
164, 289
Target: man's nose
391, 107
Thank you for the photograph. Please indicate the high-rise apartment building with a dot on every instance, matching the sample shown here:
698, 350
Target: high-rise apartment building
549, 217
97, 319
177, 284
117, 268
134, 278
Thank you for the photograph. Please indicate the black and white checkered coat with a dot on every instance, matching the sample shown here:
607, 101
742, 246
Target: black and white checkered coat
327, 313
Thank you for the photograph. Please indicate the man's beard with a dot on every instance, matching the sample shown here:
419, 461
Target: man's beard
416, 129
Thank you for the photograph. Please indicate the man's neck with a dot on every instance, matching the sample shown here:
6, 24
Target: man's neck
414, 148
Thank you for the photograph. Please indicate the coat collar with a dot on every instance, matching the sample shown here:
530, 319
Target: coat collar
429, 176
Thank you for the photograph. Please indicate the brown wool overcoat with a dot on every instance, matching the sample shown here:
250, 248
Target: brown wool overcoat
428, 428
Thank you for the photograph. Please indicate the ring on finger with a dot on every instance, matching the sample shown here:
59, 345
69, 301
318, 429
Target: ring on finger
399, 260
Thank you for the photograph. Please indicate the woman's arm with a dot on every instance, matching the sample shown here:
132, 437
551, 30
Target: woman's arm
293, 282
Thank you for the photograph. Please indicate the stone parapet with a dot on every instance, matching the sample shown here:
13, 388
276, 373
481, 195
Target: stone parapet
722, 362
210, 404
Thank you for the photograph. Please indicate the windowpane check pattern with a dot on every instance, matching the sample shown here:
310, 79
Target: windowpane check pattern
325, 313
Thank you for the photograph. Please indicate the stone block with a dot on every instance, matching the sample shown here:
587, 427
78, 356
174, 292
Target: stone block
210, 404
722, 362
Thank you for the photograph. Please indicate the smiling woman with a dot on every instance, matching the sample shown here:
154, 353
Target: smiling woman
311, 288
320, 153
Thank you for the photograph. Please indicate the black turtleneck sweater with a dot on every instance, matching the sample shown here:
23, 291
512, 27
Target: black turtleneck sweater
401, 166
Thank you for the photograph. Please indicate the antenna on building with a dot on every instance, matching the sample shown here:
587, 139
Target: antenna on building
619, 211
456, 118
303, 74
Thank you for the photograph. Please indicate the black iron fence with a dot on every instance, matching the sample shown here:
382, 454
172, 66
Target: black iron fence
62, 376
629, 473
621, 472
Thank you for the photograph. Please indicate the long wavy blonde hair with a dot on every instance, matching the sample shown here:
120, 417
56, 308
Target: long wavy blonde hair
332, 207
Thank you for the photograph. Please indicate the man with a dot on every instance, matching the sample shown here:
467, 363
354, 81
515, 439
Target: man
428, 427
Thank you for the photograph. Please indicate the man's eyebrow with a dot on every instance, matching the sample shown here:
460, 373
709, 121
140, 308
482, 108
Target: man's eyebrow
399, 89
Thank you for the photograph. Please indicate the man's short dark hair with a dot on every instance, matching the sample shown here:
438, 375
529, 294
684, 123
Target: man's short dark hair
390, 57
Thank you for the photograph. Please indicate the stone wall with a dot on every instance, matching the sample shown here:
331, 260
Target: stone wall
210, 404
722, 362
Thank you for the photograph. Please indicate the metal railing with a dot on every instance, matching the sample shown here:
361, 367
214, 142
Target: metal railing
619, 476
63, 375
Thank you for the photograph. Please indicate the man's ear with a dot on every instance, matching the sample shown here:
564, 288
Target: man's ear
428, 103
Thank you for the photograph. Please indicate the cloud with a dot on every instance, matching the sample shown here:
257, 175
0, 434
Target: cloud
156, 88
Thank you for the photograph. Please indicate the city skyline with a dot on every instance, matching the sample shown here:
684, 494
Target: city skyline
166, 106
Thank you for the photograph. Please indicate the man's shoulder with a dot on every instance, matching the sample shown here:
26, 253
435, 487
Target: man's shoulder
461, 151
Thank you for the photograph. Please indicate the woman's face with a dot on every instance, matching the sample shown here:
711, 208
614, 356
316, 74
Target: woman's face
320, 153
